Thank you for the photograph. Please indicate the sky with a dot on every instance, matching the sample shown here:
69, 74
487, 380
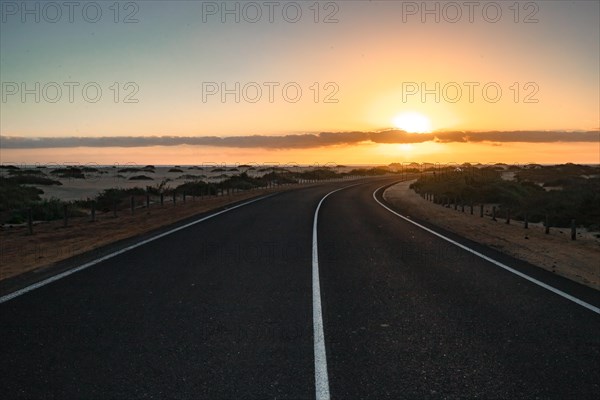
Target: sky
346, 82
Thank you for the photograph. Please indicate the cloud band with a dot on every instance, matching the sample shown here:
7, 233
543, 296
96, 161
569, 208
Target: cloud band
303, 141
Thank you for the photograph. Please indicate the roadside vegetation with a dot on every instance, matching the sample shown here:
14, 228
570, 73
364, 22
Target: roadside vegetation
561, 192
19, 192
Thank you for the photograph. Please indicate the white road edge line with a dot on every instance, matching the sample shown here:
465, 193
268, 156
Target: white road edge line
116, 253
321, 376
498, 263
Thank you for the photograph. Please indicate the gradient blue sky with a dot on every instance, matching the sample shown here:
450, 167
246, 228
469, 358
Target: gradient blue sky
368, 54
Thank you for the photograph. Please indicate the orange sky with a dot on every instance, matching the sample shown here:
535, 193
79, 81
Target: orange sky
373, 60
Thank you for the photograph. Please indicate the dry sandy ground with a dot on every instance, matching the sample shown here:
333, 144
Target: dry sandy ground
577, 260
95, 183
108, 177
52, 242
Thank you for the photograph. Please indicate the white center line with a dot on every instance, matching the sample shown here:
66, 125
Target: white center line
321, 376
116, 253
498, 263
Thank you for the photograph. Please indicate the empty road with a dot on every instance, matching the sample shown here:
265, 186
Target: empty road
231, 308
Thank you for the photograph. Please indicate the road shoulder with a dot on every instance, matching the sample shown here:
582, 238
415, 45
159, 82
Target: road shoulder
575, 260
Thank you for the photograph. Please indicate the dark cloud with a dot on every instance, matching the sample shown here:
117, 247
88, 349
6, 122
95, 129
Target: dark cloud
303, 141
519, 136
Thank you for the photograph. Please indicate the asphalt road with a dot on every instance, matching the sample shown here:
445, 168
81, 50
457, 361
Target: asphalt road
224, 310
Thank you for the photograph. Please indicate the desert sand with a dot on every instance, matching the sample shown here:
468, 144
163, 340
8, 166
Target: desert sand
108, 178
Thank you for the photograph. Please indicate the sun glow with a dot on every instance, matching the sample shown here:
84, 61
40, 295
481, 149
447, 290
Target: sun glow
412, 122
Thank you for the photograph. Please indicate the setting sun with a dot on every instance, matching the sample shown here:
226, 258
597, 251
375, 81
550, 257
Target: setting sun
413, 122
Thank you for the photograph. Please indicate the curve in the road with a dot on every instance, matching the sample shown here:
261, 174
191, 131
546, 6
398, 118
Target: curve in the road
321, 376
489, 259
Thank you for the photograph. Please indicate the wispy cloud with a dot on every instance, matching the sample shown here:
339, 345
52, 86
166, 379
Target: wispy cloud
303, 141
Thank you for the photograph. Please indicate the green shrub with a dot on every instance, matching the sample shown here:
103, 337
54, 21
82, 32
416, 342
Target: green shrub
579, 198
15, 196
197, 188
69, 173
32, 180
141, 178
106, 199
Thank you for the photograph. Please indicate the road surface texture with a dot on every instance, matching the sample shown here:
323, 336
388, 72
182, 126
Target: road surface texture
223, 309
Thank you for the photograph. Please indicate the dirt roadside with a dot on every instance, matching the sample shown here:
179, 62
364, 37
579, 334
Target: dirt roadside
576, 260
51, 242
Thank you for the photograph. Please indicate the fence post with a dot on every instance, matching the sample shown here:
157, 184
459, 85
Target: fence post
66, 215
481, 210
462, 206
30, 221
547, 224
471, 208
183, 197
162, 199
93, 211
174, 198
573, 230
508, 216
494, 213
526, 221
147, 200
